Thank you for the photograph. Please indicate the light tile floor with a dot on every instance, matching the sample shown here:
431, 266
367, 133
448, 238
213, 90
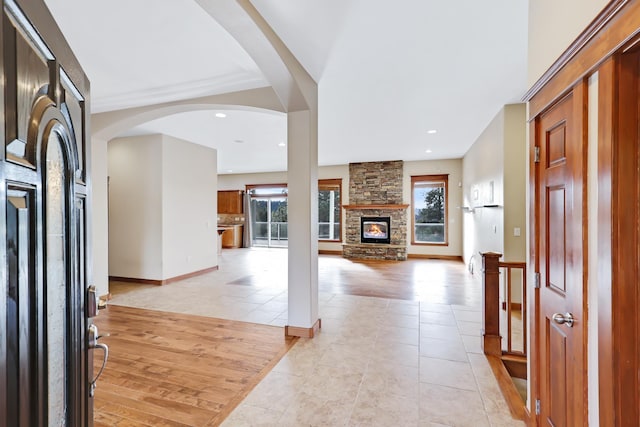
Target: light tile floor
376, 361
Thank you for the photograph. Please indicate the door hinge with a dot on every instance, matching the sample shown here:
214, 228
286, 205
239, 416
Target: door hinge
537, 406
536, 154
536, 280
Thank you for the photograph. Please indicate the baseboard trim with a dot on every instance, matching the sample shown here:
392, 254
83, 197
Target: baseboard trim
442, 257
135, 280
296, 331
162, 282
328, 252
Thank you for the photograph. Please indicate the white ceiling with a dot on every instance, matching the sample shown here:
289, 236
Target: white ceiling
387, 72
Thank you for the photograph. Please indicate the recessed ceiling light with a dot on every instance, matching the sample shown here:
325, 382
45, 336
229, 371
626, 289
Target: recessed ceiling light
432, 131
229, 170
238, 141
428, 150
282, 144
221, 115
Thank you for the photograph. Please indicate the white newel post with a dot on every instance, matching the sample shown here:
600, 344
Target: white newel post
302, 166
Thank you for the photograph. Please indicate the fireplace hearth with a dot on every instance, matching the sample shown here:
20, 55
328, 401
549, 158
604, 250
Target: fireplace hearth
375, 229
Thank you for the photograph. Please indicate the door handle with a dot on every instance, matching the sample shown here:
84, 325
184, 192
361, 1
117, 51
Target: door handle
563, 319
94, 345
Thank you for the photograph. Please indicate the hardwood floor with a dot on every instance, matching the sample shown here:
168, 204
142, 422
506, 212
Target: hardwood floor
429, 280
168, 369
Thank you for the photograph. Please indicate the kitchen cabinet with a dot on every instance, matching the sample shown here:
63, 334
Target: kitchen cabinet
230, 201
232, 236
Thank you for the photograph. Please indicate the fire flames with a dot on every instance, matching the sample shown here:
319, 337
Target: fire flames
375, 231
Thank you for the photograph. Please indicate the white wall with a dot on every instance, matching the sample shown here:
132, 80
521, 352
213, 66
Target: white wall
553, 26
162, 207
135, 207
189, 207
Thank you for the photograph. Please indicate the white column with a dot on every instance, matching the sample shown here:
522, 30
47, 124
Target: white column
302, 166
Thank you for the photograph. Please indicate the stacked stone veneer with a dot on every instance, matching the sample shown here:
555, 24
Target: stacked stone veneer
376, 183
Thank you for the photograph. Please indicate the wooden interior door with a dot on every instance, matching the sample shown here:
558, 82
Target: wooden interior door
45, 365
561, 315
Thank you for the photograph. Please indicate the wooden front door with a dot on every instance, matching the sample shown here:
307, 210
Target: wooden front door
558, 199
45, 367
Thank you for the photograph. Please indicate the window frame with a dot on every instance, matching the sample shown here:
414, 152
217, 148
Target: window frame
331, 184
442, 178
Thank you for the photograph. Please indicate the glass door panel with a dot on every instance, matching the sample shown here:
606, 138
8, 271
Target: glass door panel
269, 221
56, 285
260, 221
278, 222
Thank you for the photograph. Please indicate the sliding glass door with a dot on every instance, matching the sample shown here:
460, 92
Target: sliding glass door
269, 221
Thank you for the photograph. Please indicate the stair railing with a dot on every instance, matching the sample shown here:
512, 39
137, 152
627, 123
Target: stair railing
491, 286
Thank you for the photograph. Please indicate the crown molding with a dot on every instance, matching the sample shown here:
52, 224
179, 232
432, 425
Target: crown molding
231, 82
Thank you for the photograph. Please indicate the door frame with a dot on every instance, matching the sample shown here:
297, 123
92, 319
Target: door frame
618, 236
599, 48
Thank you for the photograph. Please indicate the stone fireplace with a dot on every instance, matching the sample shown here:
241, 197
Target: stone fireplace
376, 219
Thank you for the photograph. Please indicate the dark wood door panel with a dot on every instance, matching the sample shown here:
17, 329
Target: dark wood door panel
28, 73
44, 369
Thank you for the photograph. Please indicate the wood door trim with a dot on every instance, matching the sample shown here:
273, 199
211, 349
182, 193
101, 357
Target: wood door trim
612, 29
606, 15
618, 161
534, 263
606, 112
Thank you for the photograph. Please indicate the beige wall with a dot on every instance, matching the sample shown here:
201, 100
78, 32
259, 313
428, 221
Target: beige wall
135, 207
162, 207
99, 217
515, 182
482, 165
553, 26
497, 160
189, 207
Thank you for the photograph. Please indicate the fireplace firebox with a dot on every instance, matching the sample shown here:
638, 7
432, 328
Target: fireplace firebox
375, 229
